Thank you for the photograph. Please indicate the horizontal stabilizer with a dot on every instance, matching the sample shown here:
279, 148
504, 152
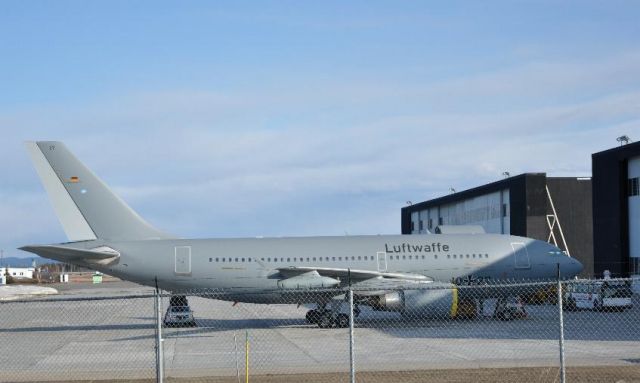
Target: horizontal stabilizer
68, 254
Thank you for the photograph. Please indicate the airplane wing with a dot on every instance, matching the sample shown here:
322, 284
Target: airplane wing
363, 282
355, 274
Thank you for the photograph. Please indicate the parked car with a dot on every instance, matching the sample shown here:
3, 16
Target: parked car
510, 309
601, 295
178, 316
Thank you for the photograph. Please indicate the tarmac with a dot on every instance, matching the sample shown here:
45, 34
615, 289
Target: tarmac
113, 337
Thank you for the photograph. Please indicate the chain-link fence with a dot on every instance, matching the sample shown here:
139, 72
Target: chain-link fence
438, 332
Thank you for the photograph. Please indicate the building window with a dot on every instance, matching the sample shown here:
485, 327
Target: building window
440, 220
421, 225
505, 211
430, 223
634, 187
413, 226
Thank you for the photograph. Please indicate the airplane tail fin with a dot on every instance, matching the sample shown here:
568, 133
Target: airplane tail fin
85, 206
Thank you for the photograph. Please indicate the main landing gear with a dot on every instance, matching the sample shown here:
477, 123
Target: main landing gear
330, 317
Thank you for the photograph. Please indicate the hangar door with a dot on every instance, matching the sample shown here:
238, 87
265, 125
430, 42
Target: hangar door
521, 255
183, 259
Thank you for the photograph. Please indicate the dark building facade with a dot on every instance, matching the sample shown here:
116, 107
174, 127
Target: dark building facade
616, 210
558, 210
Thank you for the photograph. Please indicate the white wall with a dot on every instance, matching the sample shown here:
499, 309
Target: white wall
18, 272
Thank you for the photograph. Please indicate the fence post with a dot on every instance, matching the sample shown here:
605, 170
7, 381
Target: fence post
561, 334
352, 366
159, 347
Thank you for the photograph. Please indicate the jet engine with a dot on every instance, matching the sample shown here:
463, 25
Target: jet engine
438, 301
309, 280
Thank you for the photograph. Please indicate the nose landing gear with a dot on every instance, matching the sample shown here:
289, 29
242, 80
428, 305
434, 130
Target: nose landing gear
330, 317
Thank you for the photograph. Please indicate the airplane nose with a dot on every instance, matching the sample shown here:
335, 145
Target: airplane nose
574, 267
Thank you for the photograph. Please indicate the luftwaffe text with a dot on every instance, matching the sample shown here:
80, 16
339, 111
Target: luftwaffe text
410, 248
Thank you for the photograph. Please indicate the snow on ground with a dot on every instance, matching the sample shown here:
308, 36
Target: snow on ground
13, 292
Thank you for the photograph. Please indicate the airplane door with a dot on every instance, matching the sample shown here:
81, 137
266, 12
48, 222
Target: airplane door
183, 260
382, 261
521, 255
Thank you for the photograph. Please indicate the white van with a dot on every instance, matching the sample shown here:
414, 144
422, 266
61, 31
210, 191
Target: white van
602, 295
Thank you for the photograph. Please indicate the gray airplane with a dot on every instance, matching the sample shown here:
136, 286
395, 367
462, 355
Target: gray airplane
105, 234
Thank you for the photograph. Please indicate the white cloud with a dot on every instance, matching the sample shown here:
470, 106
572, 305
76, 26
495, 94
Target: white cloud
258, 162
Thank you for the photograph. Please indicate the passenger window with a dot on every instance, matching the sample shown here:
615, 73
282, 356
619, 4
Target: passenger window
448, 256
423, 257
275, 259
410, 257
467, 256
249, 259
217, 260
404, 257
435, 256
210, 259
236, 259
359, 258
454, 256
314, 259
242, 259
288, 259
333, 258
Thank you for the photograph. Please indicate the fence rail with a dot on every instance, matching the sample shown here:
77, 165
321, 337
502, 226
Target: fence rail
535, 331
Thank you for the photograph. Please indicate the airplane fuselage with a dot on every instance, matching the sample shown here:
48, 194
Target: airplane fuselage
255, 264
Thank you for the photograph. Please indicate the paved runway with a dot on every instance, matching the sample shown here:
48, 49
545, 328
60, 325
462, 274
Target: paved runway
114, 339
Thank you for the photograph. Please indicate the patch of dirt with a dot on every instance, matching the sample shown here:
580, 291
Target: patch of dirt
614, 374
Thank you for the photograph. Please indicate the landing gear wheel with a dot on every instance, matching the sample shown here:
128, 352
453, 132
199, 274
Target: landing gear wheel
313, 316
597, 305
342, 320
505, 315
325, 321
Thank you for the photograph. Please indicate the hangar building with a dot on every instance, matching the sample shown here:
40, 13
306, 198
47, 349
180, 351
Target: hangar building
616, 210
553, 209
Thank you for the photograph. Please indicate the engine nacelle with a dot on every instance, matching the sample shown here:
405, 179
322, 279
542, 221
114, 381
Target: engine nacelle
310, 280
436, 302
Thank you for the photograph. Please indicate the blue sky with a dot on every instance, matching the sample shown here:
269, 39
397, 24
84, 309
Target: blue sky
306, 118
